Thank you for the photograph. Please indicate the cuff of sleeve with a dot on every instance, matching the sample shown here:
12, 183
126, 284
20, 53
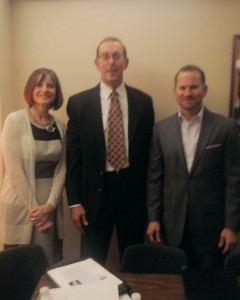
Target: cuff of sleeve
75, 205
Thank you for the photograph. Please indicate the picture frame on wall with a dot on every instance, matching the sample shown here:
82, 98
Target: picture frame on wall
234, 111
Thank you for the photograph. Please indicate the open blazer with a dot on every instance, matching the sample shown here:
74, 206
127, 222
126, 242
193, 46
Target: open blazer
87, 152
209, 192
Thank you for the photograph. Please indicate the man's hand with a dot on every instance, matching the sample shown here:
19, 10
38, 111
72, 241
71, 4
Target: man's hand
79, 218
153, 232
228, 240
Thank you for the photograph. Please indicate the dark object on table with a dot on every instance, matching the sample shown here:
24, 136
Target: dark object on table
210, 284
20, 271
151, 258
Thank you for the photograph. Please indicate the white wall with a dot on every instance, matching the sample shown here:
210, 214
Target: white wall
5, 63
5, 57
5, 68
160, 35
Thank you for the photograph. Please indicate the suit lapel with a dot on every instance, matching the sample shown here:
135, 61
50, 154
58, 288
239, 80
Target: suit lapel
95, 113
134, 111
177, 140
207, 127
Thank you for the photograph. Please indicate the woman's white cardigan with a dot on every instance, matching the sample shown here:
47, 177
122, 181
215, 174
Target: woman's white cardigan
18, 192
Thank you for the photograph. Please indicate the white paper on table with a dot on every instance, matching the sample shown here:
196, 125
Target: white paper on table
101, 290
80, 273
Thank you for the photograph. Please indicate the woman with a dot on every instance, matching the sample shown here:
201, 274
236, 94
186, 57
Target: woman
33, 147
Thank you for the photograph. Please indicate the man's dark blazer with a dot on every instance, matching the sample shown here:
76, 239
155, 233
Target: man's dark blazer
86, 153
209, 195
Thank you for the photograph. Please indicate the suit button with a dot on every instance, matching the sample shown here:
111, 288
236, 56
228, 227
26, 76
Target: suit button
99, 189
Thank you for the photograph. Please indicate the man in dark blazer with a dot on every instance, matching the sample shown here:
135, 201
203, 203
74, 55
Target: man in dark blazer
100, 196
194, 176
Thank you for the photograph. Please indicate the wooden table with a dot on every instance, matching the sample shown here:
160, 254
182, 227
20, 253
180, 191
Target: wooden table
151, 286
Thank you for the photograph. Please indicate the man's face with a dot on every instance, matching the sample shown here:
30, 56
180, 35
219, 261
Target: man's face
189, 92
111, 63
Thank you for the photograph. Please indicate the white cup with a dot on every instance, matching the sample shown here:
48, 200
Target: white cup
136, 296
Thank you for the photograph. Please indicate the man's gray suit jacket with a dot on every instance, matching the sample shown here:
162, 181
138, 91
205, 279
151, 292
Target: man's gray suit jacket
209, 194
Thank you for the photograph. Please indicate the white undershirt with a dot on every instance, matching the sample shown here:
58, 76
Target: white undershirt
190, 134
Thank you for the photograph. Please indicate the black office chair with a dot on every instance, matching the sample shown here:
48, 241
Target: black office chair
152, 258
20, 271
232, 263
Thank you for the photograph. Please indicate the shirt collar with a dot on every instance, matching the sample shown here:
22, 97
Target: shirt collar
199, 116
106, 91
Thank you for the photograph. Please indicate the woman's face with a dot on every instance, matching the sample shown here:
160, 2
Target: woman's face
44, 92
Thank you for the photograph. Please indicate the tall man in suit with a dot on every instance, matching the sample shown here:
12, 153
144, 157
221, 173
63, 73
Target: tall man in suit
101, 195
194, 176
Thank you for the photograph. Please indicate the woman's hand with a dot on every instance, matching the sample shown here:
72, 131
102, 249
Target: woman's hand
40, 217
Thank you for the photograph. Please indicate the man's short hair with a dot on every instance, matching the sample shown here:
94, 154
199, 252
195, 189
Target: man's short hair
112, 39
191, 68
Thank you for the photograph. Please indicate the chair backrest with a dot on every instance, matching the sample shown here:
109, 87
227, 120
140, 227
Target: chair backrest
152, 258
232, 263
20, 271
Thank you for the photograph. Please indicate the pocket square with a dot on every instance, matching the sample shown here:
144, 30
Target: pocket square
213, 146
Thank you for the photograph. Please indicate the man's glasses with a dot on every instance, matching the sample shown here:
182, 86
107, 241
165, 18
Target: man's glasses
114, 57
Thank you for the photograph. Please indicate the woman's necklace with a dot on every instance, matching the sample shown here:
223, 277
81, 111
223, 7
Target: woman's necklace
50, 127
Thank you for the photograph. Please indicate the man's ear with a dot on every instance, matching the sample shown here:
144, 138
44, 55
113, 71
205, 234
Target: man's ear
96, 62
205, 90
174, 90
126, 63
